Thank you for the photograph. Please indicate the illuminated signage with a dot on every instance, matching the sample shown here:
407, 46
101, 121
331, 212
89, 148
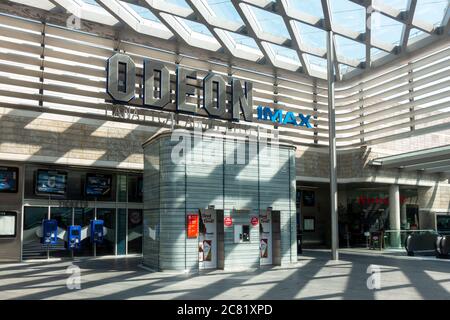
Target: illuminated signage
278, 116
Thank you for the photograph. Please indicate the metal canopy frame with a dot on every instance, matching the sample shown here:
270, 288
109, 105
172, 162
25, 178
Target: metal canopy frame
434, 160
171, 26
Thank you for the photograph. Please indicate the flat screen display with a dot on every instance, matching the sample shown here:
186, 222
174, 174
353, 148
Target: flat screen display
8, 179
51, 182
98, 185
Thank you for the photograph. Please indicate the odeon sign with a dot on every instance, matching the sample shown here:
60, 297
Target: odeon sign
121, 87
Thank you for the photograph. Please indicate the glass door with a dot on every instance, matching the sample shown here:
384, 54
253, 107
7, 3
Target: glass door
83, 217
32, 229
134, 231
109, 241
64, 217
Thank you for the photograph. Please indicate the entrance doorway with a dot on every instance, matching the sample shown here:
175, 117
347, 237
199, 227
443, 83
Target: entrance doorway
210, 239
270, 238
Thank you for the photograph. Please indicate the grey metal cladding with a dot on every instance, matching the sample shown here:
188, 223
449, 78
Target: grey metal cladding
215, 108
242, 190
150, 66
184, 89
242, 100
113, 78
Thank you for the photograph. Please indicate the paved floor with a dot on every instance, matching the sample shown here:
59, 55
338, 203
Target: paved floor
314, 277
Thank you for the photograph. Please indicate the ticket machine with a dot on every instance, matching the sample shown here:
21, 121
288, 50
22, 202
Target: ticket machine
49, 232
73, 237
97, 233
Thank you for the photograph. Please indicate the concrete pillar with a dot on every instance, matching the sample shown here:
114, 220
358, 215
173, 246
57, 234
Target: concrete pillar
403, 215
394, 215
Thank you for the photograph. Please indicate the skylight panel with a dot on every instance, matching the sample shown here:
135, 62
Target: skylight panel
41, 4
400, 5
269, 22
196, 27
310, 7
285, 52
385, 29
143, 12
431, 11
243, 40
240, 46
311, 37
416, 35
261, 3
349, 49
91, 2
179, 3
377, 54
348, 15
224, 9
316, 63
344, 69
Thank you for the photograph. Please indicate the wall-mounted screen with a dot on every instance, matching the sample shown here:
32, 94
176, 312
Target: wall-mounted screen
51, 182
309, 198
9, 179
98, 185
8, 224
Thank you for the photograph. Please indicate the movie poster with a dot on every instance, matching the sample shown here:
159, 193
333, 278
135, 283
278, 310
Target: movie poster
264, 248
207, 254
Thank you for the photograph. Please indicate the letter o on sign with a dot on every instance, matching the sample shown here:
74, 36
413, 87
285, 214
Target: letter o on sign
228, 221
121, 77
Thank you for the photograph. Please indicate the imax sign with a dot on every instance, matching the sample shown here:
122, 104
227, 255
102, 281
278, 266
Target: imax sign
280, 117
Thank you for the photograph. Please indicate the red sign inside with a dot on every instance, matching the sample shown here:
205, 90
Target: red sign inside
192, 225
254, 221
228, 221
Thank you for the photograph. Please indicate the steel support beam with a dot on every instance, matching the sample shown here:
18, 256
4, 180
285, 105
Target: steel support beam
332, 147
295, 42
251, 32
408, 24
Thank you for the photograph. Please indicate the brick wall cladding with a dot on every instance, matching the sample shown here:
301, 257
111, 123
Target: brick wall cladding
35, 138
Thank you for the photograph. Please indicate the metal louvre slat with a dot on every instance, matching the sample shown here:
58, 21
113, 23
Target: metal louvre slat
399, 126
387, 106
352, 86
404, 79
406, 115
406, 87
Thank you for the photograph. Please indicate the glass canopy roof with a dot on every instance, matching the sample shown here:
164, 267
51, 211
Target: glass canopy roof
287, 34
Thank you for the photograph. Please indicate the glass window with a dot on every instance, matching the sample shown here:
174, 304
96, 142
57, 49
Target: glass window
135, 188
32, 226
443, 224
121, 231
122, 188
134, 231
